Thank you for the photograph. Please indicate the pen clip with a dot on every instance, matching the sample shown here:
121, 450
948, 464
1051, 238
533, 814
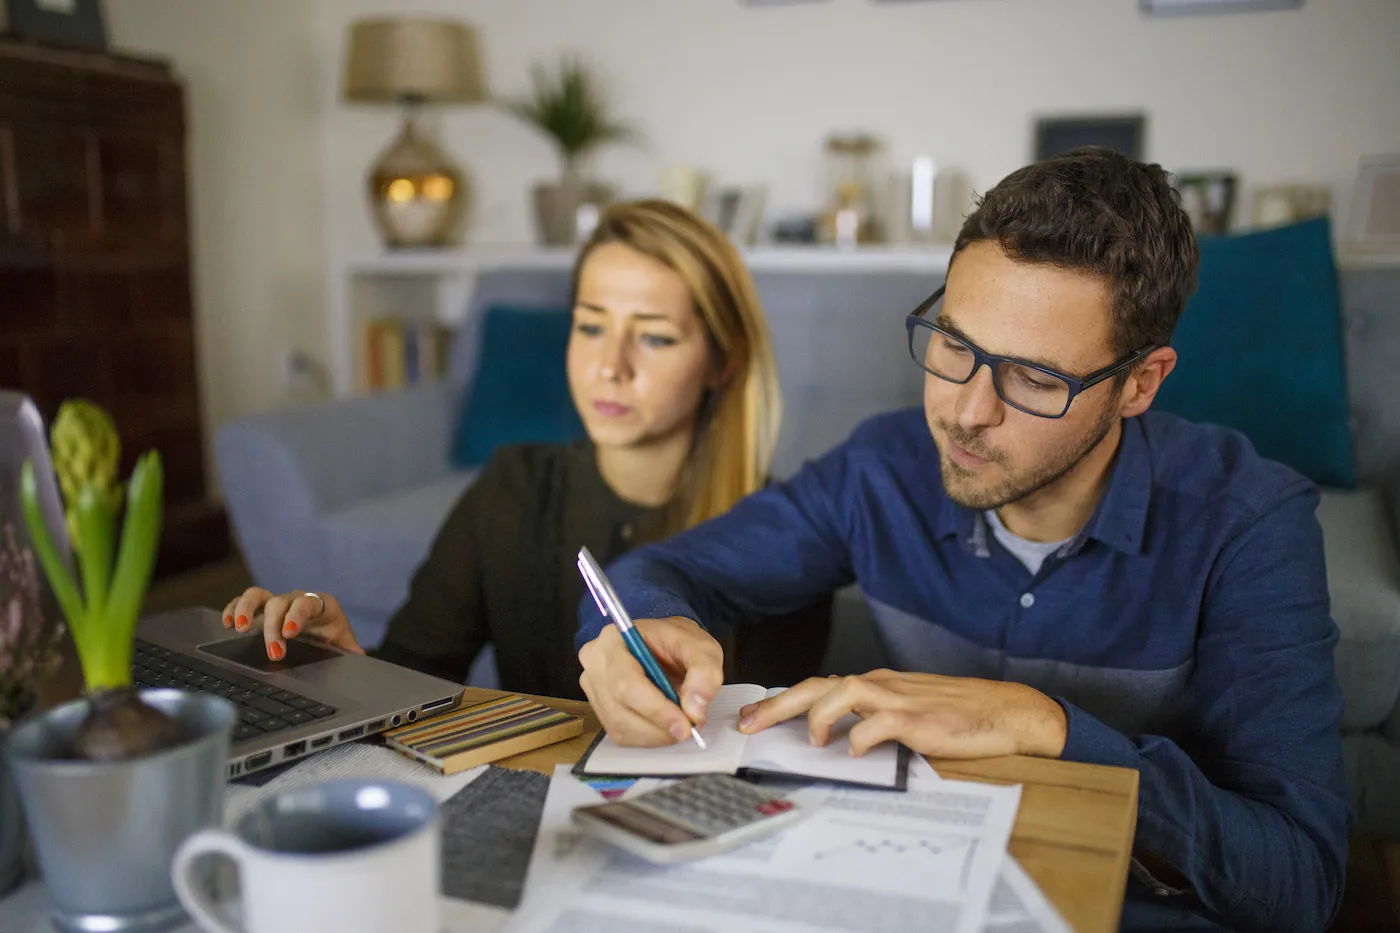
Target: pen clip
585, 572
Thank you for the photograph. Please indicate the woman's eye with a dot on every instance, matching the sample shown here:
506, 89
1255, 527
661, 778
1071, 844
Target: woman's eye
658, 340
588, 330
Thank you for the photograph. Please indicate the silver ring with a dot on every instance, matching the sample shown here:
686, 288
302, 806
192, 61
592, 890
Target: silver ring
319, 599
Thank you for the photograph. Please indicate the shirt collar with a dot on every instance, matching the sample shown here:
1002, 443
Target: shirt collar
1119, 521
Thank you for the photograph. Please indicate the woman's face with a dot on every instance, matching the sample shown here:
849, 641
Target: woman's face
639, 356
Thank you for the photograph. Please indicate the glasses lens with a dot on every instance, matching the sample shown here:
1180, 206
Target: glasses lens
941, 354
1032, 390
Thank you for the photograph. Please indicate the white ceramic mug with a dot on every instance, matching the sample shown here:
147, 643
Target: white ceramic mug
352, 856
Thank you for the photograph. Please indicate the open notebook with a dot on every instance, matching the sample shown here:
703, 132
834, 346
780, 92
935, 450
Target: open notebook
782, 750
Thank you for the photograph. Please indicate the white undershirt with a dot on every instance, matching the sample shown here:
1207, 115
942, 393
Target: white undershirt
1030, 553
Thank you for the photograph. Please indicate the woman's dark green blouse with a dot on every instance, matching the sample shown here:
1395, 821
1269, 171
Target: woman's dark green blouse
502, 572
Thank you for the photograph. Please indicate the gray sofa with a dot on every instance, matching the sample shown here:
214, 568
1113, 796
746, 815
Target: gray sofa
346, 496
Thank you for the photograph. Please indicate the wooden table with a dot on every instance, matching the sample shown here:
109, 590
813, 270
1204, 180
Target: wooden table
1073, 833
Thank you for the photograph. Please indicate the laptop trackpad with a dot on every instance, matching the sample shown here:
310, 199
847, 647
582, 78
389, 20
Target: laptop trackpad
251, 651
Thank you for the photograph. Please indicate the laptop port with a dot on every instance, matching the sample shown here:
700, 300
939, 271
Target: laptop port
413, 715
397, 719
376, 726
437, 705
257, 761
292, 749
348, 734
322, 742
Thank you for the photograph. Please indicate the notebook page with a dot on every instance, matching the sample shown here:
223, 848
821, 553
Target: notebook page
786, 748
724, 741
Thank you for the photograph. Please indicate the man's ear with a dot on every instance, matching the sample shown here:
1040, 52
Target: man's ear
1144, 381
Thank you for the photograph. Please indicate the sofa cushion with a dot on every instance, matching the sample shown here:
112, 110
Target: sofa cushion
1261, 349
520, 392
373, 547
1364, 581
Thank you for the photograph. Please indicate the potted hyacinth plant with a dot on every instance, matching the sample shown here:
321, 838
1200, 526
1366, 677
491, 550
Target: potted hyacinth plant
568, 107
91, 771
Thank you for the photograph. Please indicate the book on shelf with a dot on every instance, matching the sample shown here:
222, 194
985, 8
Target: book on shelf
398, 353
483, 732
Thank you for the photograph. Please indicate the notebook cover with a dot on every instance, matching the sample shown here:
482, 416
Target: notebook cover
901, 781
483, 732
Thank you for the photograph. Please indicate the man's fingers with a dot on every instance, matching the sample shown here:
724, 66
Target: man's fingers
681, 645
793, 701
626, 726
883, 726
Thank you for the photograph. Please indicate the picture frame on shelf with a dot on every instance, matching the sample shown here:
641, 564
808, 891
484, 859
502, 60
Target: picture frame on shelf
1375, 210
1123, 133
737, 211
78, 23
1277, 205
1193, 7
1208, 199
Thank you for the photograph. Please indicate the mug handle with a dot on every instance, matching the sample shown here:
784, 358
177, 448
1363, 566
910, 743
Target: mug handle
205, 842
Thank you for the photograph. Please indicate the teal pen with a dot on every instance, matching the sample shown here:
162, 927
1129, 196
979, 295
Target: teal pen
611, 608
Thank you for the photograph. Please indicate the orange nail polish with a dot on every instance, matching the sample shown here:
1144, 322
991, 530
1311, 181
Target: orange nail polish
228, 620
274, 651
242, 621
291, 628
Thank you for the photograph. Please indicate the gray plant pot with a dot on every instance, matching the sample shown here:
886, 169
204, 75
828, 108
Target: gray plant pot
11, 828
105, 833
558, 205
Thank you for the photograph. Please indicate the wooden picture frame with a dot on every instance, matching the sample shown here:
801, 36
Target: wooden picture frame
1123, 133
1193, 7
77, 23
1374, 224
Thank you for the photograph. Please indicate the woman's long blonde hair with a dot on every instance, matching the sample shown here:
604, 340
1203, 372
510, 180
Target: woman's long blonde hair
738, 424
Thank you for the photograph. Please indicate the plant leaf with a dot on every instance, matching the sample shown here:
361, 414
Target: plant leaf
135, 560
569, 108
65, 590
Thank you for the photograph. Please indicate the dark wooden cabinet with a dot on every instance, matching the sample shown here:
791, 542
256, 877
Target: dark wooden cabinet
95, 285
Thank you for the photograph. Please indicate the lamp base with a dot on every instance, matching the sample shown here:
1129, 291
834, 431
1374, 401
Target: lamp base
418, 196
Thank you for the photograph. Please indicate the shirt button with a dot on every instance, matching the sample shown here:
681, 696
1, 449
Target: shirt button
1027, 600
626, 532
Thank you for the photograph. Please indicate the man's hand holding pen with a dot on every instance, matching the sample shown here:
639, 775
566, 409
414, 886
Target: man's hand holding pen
630, 706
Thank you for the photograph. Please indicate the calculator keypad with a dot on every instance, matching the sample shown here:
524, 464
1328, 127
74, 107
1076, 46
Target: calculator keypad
711, 804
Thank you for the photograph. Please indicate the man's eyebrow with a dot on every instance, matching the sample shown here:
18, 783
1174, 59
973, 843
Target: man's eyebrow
946, 324
640, 317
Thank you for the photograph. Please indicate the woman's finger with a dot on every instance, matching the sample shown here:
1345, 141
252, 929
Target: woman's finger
247, 606
274, 613
304, 613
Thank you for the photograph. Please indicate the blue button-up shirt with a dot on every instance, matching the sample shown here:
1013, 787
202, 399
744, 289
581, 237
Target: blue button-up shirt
1185, 630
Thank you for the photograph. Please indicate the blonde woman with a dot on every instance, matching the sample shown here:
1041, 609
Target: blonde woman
671, 369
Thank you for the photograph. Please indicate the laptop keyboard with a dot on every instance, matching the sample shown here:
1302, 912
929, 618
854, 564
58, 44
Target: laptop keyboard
262, 708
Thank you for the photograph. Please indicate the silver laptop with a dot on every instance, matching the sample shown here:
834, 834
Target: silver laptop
315, 698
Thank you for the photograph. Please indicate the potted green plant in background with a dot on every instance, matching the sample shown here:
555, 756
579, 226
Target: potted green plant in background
568, 107
111, 784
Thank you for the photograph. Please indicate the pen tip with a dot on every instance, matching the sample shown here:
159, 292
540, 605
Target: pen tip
695, 734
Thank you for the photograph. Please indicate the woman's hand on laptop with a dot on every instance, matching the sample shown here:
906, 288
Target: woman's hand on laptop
291, 615
628, 704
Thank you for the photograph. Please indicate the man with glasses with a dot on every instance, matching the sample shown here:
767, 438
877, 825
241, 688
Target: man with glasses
1053, 569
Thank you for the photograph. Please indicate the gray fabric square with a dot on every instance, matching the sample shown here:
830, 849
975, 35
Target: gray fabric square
488, 833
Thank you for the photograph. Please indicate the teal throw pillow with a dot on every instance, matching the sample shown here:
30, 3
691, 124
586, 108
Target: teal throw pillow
1261, 349
520, 393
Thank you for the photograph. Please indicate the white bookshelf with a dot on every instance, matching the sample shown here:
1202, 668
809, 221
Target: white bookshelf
437, 284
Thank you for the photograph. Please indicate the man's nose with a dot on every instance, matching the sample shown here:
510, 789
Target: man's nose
979, 406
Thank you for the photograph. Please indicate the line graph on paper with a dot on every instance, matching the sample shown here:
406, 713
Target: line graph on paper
939, 864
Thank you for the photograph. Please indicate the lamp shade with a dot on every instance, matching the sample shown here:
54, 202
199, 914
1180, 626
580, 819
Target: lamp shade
411, 58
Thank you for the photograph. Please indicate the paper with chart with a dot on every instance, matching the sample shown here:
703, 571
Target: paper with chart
924, 861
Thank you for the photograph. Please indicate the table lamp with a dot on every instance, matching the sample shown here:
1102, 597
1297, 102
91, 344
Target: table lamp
418, 195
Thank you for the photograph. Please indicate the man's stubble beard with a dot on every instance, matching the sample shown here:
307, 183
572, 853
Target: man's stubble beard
1017, 487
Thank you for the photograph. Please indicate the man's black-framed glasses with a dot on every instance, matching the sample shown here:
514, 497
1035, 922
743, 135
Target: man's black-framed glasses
1025, 386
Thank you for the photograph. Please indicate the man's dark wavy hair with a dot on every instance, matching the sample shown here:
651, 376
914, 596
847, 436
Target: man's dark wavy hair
1095, 211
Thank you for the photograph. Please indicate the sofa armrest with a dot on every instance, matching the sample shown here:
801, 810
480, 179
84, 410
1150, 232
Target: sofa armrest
281, 471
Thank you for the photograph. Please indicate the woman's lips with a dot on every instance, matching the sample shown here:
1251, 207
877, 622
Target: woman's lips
611, 409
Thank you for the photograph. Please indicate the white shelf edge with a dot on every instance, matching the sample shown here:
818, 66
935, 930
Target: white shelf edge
933, 258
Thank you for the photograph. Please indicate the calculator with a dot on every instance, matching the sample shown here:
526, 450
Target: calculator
690, 818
